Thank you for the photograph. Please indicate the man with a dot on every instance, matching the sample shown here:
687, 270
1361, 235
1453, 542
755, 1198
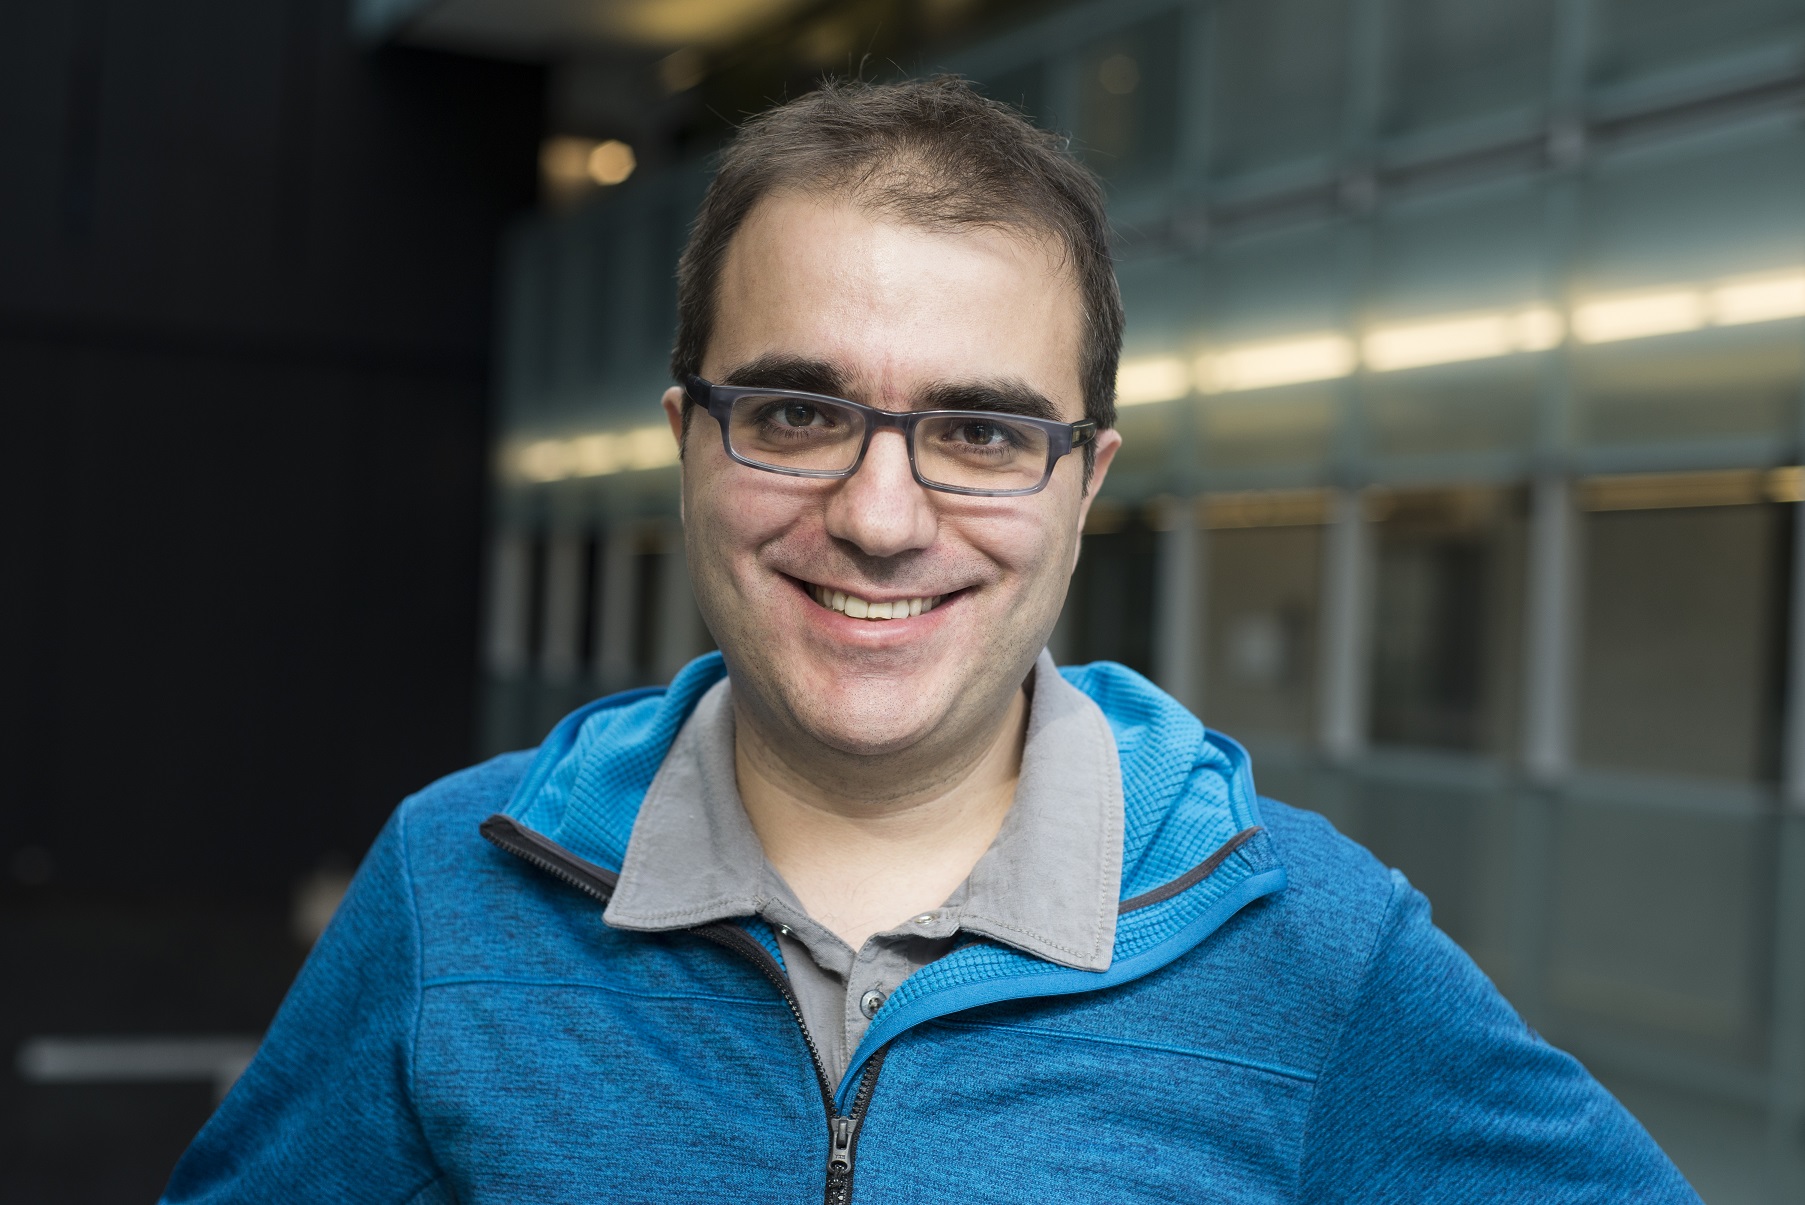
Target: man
877, 903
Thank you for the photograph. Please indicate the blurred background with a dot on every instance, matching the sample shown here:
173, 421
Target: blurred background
1464, 401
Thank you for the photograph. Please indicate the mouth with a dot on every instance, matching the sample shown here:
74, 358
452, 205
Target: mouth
855, 607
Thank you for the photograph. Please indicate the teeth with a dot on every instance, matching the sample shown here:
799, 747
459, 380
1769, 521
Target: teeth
859, 608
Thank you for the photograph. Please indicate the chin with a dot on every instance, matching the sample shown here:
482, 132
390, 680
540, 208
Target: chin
863, 713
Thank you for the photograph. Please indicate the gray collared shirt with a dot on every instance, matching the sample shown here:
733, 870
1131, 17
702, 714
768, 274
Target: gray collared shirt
1048, 885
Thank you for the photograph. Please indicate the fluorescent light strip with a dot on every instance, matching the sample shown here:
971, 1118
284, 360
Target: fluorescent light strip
1758, 299
1319, 357
596, 455
1155, 379
1610, 319
1735, 302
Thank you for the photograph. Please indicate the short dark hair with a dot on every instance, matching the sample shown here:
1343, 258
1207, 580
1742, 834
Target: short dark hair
932, 153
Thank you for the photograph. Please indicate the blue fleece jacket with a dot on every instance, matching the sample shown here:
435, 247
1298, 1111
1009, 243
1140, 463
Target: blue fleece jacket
1281, 1022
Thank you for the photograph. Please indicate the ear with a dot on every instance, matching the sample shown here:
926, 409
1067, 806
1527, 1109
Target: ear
1107, 444
673, 413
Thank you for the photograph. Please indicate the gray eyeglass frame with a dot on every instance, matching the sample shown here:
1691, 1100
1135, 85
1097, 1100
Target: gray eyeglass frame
718, 401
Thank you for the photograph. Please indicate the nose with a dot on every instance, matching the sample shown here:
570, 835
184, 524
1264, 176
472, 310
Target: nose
880, 508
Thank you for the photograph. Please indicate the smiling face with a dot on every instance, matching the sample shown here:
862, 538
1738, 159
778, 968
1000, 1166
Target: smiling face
821, 294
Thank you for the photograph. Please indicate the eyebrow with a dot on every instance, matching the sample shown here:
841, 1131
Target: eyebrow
790, 372
1001, 396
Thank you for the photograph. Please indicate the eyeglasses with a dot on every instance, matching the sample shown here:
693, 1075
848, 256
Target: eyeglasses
979, 452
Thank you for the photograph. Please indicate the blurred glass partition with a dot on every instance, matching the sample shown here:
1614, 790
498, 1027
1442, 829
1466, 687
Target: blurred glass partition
1460, 323
1683, 622
1689, 292
1273, 370
1457, 60
1109, 605
1260, 651
1447, 620
1637, 38
1661, 926
1128, 113
1279, 71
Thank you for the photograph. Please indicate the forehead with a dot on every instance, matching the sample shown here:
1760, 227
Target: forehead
897, 305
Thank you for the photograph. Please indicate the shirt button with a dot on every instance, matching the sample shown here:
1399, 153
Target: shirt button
870, 1002
926, 918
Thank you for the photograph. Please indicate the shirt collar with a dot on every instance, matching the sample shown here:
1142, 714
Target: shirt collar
1048, 885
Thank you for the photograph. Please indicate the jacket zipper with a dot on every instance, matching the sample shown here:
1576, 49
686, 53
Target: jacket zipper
598, 884
842, 1129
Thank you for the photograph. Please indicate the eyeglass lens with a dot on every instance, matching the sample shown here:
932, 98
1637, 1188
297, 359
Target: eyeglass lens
967, 451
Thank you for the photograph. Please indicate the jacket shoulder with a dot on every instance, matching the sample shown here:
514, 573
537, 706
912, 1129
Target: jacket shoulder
1279, 980
462, 800
1327, 924
1328, 874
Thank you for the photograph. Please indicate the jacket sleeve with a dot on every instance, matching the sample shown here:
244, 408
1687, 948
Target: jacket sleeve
1437, 1091
323, 1113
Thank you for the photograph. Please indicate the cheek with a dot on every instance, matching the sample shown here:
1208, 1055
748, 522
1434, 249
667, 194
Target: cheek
1028, 544
730, 518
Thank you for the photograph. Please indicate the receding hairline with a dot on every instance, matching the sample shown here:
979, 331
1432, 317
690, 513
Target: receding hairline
1022, 228
1038, 238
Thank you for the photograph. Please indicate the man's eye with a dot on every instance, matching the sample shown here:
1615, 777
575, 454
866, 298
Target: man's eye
798, 414
982, 435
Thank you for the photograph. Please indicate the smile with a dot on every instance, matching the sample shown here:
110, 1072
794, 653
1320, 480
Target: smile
861, 608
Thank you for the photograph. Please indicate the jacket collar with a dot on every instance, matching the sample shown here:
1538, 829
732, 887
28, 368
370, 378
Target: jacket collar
1049, 885
1188, 796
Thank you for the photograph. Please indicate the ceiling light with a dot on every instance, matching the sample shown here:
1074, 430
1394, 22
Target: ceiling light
544, 460
1537, 328
564, 161
1758, 300
611, 162
650, 447
1159, 379
1472, 337
1288, 362
595, 455
1666, 313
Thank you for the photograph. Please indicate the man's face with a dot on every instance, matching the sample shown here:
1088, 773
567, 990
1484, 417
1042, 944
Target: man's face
823, 295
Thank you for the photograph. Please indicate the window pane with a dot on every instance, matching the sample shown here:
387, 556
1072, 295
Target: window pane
1447, 618
1658, 924
1455, 59
1279, 69
1447, 270
1128, 101
1636, 36
1689, 265
1680, 646
1260, 644
1274, 291
1109, 607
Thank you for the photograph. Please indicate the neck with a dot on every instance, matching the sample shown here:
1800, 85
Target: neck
861, 855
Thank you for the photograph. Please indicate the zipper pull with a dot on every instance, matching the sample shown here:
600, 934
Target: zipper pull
841, 1132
